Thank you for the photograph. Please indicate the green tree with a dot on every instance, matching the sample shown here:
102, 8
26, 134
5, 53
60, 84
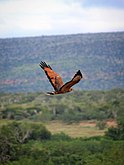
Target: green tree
116, 133
9, 145
39, 132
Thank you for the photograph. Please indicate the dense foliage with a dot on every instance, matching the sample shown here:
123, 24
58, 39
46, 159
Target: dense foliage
117, 133
28, 142
74, 107
19, 147
99, 56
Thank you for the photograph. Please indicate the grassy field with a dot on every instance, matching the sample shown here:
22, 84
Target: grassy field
83, 129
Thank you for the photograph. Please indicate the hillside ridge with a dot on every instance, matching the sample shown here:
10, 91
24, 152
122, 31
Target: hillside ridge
100, 56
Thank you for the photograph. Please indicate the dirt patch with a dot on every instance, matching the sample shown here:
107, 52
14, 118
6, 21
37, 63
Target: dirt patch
109, 123
88, 124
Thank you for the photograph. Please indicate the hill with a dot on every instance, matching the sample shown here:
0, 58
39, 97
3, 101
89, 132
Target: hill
99, 56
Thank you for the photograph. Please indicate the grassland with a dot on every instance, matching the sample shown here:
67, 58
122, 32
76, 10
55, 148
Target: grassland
74, 129
82, 129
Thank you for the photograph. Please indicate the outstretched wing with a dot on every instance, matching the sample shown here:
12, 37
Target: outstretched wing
77, 77
53, 77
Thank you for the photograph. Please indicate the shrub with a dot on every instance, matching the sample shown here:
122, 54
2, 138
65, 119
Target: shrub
101, 125
39, 132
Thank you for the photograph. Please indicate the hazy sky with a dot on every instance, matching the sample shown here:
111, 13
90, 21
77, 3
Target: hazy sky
20, 18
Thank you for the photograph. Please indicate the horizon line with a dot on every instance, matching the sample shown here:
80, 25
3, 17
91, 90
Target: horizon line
64, 34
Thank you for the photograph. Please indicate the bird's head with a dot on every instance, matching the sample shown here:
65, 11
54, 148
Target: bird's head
50, 93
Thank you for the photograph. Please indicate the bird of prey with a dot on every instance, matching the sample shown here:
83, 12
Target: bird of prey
56, 80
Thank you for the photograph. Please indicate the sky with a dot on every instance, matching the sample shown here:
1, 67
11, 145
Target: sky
20, 18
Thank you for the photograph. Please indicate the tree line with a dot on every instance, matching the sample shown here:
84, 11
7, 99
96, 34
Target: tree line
74, 107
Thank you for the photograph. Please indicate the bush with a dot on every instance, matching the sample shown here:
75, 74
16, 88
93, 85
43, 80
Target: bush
39, 132
60, 136
101, 125
9, 145
116, 133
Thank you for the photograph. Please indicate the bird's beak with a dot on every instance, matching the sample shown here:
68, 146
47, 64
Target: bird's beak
50, 93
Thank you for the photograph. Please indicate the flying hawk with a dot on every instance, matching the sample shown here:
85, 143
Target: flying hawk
57, 82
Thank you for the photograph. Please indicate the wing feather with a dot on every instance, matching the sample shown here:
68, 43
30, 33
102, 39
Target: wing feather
53, 77
77, 77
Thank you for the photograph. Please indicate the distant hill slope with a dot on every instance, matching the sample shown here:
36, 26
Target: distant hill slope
99, 56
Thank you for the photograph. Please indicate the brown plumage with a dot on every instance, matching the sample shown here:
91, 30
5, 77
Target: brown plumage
57, 82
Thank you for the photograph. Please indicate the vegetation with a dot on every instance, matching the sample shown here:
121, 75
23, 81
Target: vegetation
99, 56
118, 132
69, 108
86, 128
24, 143
27, 118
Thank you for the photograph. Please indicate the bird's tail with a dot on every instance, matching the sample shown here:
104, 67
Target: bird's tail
78, 73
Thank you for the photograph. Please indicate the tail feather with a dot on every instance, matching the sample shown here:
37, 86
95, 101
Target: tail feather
78, 73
